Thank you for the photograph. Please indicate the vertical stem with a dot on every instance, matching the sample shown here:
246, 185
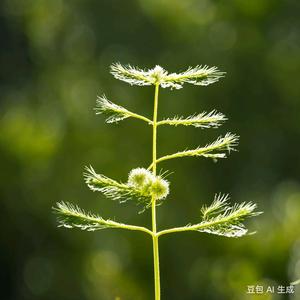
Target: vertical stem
154, 129
155, 238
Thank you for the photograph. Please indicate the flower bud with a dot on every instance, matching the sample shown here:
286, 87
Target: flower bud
148, 184
140, 177
159, 188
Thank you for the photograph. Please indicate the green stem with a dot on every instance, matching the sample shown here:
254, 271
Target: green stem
154, 230
137, 116
136, 228
181, 229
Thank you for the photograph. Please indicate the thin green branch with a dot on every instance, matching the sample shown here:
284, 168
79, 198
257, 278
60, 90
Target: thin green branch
202, 120
115, 112
71, 216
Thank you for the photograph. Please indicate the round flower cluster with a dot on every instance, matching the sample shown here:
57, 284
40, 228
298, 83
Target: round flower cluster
148, 184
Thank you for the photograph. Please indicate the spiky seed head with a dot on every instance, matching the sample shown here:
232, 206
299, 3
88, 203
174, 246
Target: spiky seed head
159, 188
139, 177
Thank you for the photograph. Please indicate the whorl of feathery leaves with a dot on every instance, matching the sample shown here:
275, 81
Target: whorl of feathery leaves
212, 119
222, 219
199, 75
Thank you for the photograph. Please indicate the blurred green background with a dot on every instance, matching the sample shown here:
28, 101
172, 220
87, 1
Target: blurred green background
55, 58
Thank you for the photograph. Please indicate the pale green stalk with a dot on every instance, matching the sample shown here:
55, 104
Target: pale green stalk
154, 236
137, 116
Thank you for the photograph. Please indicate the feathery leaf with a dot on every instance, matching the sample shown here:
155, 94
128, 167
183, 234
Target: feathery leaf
222, 219
115, 112
199, 75
202, 120
132, 75
218, 205
71, 216
214, 150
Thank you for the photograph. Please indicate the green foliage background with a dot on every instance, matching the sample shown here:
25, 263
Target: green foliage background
55, 58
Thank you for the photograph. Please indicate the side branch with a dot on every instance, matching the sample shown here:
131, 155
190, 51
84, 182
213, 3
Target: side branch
116, 113
206, 226
214, 150
176, 229
71, 216
140, 117
220, 218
